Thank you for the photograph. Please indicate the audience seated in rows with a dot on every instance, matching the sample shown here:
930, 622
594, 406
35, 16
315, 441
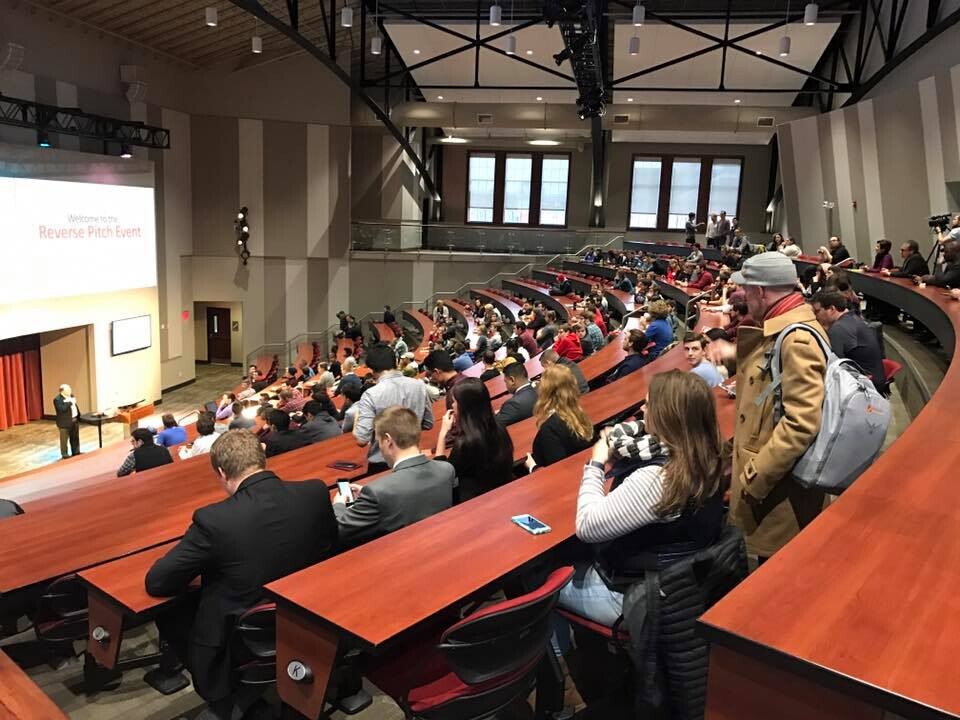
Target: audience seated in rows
239, 421
319, 419
563, 426
550, 357
659, 331
567, 343
264, 530
441, 372
224, 409
145, 454
391, 388
490, 370
482, 451
850, 336
524, 396
416, 488
282, 438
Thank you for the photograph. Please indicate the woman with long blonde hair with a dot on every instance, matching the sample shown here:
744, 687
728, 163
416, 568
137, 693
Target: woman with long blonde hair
564, 428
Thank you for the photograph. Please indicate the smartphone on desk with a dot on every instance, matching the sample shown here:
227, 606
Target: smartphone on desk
343, 465
346, 492
530, 524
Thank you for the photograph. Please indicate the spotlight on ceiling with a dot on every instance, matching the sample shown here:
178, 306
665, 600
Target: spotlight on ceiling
629, 99
496, 14
634, 47
346, 16
210, 16
256, 45
511, 45
810, 14
125, 151
736, 101
376, 45
242, 213
439, 97
785, 46
543, 141
453, 140
43, 139
639, 14
539, 98
416, 51
529, 52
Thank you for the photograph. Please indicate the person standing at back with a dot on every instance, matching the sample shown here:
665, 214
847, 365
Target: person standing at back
391, 388
770, 436
264, 529
417, 488
482, 451
68, 421
563, 426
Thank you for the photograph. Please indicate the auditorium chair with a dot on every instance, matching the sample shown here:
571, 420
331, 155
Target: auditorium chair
891, 368
60, 617
481, 664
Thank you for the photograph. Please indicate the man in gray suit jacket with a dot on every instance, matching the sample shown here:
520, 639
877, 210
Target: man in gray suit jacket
416, 488
520, 406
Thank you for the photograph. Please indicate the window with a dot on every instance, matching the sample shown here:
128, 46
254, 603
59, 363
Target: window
553, 190
516, 189
684, 192
645, 194
725, 186
481, 174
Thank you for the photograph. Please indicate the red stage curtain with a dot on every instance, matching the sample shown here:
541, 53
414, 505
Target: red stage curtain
20, 388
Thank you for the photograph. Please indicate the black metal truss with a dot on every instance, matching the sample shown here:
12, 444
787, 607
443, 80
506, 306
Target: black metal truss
254, 8
74, 122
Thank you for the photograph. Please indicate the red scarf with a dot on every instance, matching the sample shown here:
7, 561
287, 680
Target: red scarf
784, 305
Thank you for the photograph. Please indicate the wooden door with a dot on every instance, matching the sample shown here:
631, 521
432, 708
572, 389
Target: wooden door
218, 335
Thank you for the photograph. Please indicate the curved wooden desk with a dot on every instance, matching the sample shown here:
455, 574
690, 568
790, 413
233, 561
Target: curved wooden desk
561, 304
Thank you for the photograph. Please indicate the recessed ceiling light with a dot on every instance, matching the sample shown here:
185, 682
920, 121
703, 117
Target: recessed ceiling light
416, 52
629, 99
454, 140
543, 142
439, 97
737, 101
759, 52
539, 99
529, 52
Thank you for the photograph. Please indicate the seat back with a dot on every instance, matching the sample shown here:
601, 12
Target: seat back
891, 368
8, 508
505, 637
254, 645
61, 613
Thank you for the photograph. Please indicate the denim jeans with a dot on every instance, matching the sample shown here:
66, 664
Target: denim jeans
588, 596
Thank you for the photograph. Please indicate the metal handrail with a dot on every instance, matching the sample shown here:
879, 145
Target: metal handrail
291, 346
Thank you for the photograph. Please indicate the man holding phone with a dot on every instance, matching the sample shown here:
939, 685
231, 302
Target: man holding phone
416, 488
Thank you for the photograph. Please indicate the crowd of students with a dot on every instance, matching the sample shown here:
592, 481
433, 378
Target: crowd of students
671, 474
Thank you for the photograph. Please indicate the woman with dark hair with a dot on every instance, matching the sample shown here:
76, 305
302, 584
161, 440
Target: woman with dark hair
482, 451
478, 310
882, 259
667, 493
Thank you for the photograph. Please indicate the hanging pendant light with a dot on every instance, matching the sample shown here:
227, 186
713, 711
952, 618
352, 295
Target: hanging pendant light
810, 13
346, 16
210, 16
376, 45
634, 45
511, 45
256, 45
496, 14
785, 46
639, 14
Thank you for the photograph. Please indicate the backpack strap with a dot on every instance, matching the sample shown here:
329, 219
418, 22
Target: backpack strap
774, 363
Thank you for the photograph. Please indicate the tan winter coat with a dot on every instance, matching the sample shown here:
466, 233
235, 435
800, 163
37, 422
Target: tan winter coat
764, 452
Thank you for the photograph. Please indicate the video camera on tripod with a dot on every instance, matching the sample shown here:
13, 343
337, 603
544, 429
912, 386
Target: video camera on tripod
940, 221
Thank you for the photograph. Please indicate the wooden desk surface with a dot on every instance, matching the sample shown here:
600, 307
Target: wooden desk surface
541, 293
622, 298
425, 323
123, 579
504, 303
20, 698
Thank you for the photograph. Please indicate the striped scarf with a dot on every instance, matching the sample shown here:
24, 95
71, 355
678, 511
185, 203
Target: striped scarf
628, 441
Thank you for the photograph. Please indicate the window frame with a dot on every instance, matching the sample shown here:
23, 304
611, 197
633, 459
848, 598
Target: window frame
666, 182
539, 192
466, 204
739, 161
499, 187
502, 190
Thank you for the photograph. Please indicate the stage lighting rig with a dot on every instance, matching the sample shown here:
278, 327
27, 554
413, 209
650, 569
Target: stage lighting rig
241, 227
579, 23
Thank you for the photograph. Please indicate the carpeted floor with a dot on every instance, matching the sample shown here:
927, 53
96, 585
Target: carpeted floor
37, 443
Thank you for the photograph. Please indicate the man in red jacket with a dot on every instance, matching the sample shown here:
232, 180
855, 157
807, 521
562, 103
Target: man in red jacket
568, 343
703, 279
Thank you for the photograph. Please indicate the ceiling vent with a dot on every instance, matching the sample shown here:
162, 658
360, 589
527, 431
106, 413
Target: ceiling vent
621, 119
484, 118
765, 122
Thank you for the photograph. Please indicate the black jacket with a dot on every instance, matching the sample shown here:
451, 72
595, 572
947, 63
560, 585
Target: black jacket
149, 455
267, 529
517, 408
913, 265
555, 441
64, 412
839, 255
285, 440
948, 276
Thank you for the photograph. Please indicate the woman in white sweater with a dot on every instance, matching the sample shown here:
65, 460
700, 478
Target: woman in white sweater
670, 495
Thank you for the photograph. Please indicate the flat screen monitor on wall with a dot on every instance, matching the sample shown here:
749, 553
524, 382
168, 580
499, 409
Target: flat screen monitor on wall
130, 334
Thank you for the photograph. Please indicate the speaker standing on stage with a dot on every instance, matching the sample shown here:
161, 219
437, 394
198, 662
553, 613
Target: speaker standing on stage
68, 421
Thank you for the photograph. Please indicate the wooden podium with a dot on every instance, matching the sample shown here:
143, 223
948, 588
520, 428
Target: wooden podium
131, 416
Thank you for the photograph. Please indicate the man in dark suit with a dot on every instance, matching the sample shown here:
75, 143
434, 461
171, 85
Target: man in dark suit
265, 529
520, 406
281, 438
417, 488
68, 421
